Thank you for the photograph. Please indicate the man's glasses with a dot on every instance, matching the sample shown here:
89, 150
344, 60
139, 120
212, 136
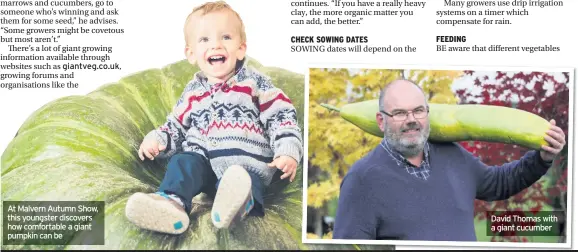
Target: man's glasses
401, 115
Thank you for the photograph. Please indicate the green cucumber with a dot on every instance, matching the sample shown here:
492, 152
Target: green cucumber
468, 122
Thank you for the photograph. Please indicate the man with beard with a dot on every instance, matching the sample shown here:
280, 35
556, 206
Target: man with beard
408, 188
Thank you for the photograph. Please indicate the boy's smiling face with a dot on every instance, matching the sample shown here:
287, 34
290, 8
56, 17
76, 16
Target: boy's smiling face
215, 44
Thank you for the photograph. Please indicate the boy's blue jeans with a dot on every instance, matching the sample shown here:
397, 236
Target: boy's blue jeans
188, 174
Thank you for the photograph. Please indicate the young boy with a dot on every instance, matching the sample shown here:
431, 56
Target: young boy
230, 131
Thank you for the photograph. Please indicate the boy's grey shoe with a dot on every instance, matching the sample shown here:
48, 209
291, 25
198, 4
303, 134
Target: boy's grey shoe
157, 212
234, 198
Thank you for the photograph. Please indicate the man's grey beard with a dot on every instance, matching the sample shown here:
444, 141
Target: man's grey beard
406, 147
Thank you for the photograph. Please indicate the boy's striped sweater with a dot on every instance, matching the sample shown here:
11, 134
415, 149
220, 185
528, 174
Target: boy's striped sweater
246, 121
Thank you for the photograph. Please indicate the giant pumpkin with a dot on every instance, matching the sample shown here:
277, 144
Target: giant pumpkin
84, 148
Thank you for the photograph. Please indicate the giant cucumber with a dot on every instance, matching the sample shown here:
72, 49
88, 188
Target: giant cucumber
468, 122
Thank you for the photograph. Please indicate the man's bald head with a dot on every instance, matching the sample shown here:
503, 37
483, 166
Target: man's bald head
397, 89
396, 101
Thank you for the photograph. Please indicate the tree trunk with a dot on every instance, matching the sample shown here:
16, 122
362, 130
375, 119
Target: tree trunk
318, 223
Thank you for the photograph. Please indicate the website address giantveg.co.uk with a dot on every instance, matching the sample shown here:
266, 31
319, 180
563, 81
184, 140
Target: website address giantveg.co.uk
93, 66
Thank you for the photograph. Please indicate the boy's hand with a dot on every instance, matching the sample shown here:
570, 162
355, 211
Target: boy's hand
286, 164
150, 147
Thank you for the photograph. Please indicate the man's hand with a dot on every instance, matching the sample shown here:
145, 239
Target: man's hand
151, 146
557, 139
286, 164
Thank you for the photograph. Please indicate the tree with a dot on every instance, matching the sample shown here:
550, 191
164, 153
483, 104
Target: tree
334, 144
536, 92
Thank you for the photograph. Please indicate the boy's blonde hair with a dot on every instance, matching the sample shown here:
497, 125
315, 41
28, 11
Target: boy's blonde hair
209, 7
